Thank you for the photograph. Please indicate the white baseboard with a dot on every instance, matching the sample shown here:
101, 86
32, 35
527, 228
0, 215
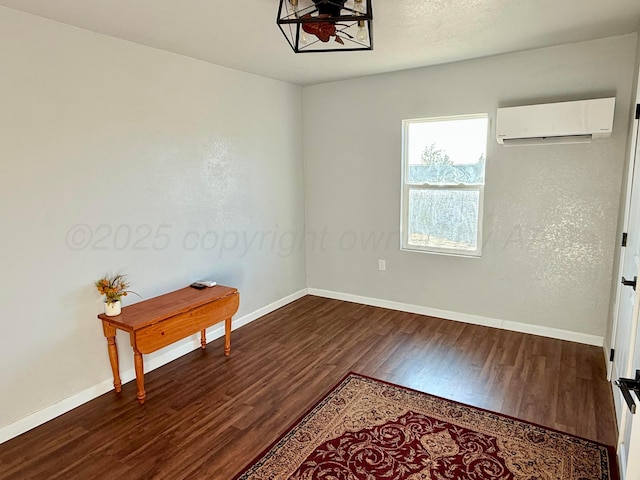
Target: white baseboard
49, 413
622, 460
464, 317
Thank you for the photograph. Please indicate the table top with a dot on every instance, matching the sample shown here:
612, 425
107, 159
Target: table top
153, 310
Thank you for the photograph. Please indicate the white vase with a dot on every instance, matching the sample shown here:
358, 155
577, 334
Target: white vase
112, 309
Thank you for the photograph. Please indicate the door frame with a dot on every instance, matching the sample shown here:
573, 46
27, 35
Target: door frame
635, 125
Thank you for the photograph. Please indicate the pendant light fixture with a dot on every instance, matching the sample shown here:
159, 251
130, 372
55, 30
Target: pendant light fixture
326, 25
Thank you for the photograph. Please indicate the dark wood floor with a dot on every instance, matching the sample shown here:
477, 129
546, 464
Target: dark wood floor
207, 416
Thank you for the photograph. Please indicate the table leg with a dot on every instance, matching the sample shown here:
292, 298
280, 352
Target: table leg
203, 339
227, 336
137, 360
110, 333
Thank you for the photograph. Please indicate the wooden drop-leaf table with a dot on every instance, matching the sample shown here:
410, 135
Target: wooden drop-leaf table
158, 322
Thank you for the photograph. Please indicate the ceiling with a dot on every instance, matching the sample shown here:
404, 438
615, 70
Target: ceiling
407, 33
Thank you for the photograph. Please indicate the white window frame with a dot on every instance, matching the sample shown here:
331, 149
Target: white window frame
406, 188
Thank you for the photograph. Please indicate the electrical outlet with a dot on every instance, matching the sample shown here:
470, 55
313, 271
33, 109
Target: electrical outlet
382, 265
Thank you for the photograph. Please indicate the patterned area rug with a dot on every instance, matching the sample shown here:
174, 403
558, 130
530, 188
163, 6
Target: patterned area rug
365, 429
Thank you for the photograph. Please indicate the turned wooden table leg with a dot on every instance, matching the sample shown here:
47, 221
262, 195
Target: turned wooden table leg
110, 333
227, 336
139, 366
203, 339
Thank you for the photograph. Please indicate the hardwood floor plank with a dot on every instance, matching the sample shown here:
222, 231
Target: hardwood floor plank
207, 416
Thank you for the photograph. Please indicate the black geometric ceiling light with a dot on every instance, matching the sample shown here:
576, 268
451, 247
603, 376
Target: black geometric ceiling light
326, 25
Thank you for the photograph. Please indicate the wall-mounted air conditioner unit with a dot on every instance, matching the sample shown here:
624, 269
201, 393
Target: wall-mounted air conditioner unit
553, 123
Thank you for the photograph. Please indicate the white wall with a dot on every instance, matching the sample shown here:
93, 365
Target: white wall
201, 166
101, 138
550, 212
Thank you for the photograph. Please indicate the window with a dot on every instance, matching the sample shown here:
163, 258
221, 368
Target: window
443, 184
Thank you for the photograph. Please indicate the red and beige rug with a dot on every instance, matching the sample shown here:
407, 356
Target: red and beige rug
366, 429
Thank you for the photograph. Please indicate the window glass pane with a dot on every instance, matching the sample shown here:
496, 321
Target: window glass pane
443, 218
447, 151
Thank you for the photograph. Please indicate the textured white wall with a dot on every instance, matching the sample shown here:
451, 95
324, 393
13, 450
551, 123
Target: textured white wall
121, 158
550, 212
